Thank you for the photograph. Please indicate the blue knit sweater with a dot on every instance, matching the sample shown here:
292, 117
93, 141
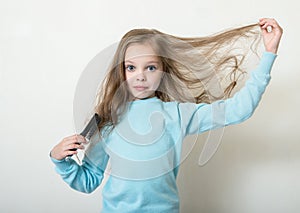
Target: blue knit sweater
144, 149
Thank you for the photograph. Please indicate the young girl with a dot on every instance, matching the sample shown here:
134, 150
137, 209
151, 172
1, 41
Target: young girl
156, 93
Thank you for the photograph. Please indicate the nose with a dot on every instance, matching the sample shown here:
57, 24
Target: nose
141, 76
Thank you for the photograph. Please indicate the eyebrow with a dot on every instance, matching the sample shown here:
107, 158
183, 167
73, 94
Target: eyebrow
148, 62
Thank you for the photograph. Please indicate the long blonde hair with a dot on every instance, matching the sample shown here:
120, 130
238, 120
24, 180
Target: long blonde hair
190, 62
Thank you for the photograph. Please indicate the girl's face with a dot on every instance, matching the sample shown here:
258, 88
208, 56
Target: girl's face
143, 70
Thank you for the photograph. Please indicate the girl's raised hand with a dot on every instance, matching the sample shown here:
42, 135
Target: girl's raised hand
271, 37
68, 146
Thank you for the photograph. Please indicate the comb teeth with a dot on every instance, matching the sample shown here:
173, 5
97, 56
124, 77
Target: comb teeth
91, 127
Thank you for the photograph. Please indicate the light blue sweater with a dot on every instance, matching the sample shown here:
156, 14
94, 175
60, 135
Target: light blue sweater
144, 149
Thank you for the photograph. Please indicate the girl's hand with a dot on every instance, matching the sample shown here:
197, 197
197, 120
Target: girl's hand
271, 37
68, 147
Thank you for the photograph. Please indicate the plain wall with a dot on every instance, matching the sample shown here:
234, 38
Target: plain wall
44, 47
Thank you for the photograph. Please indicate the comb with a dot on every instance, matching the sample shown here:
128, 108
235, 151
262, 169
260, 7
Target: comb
90, 128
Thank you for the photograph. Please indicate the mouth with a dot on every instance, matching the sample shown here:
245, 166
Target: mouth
140, 88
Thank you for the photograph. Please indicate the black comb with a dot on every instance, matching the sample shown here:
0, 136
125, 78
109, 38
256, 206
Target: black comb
90, 128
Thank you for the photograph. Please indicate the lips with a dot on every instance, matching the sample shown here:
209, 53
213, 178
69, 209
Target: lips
140, 88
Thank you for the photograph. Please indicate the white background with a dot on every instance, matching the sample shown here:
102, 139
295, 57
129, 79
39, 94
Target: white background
45, 46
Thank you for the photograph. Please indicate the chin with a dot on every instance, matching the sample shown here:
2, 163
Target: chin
142, 96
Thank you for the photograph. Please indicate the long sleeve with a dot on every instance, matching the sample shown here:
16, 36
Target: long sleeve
197, 118
88, 176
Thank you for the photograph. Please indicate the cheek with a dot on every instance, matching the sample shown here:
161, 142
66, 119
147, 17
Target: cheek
129, 80
156, 79
128, 76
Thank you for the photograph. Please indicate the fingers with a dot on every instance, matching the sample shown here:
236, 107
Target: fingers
265, 23
74, 139
74, 146
73, 142
68, 146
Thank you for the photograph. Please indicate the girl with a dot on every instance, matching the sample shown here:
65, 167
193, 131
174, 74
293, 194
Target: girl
156, 93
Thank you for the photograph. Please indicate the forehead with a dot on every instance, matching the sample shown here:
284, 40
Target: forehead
140, 51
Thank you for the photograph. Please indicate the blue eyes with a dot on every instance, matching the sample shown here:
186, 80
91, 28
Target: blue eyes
151, 68
131, 68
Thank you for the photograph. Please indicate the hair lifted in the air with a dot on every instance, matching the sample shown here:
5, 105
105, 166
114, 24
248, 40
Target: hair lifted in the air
187, 63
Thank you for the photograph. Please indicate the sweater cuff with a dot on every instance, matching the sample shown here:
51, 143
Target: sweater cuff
62, 165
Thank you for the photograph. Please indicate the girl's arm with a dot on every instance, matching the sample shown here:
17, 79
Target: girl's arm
86, 177
197, 118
